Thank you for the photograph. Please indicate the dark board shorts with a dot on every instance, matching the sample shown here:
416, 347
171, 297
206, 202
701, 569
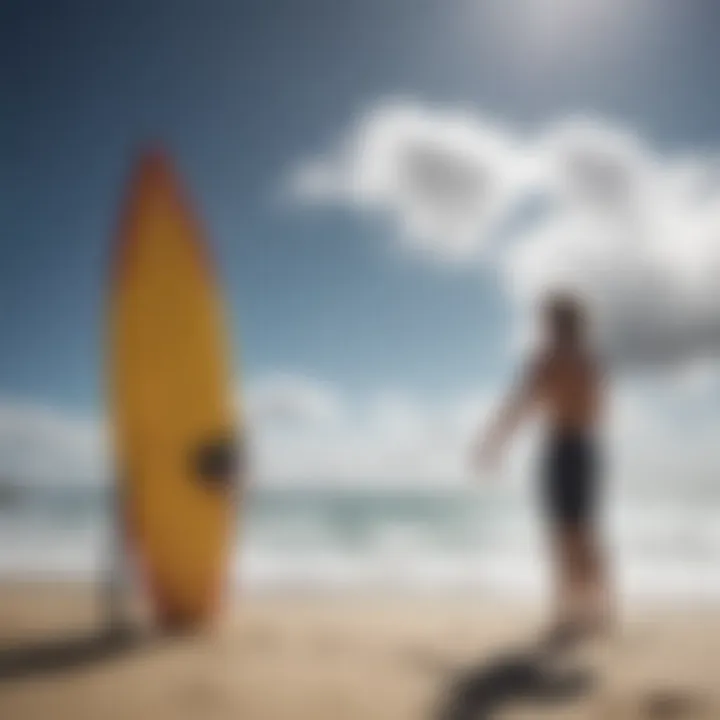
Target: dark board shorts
570, 492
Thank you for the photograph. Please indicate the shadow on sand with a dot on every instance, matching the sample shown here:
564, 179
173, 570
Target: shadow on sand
477, 692
66, 654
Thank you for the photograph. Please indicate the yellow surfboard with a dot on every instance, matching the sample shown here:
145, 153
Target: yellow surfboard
172, 404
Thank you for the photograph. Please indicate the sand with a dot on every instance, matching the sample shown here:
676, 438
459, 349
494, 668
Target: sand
337, 658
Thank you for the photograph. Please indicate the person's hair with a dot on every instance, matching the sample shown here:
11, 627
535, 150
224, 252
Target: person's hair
566, 317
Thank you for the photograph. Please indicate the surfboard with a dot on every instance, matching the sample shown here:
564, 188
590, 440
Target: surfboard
172, 405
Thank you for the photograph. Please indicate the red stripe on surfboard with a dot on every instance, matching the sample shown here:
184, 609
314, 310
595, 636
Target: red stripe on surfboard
154, 174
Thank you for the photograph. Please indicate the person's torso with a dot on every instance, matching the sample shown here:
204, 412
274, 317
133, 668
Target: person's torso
571, 392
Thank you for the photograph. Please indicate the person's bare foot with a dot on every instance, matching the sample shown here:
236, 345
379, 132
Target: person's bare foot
563, 635
601, 626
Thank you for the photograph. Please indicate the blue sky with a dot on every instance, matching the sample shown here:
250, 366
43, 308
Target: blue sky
240, 91
244, 92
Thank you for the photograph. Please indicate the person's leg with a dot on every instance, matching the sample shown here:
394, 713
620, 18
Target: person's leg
574, 571
593, 590
598, 596
562, 587
566, 503
568, 617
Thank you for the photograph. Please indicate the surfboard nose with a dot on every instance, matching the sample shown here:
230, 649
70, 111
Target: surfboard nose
154, 171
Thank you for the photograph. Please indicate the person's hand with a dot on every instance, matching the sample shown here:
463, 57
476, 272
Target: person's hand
485, 457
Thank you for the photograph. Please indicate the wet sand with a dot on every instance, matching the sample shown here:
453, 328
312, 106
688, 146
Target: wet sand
337, 658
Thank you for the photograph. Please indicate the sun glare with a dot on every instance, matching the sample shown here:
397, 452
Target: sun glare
552, 28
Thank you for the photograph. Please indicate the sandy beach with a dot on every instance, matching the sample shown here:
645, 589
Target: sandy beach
326, 658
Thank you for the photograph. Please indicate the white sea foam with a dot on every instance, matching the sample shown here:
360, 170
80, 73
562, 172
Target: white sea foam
320, 540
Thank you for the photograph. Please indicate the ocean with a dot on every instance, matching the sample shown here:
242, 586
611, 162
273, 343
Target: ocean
405, 539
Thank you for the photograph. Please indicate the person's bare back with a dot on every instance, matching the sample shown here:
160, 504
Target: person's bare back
568, 389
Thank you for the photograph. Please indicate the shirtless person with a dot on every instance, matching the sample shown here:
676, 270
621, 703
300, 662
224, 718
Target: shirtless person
565, 384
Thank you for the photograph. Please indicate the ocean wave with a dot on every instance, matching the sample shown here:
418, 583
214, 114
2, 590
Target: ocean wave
446, 542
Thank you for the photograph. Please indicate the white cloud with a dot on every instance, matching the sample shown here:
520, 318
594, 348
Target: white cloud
640, 237
596, 167
290, 399
388, 437
635, 230
40, 445
301, 430
444, 178
698, 379
662, 438
324, 436
658, 439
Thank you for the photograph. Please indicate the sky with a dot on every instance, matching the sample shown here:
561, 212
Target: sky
387, 186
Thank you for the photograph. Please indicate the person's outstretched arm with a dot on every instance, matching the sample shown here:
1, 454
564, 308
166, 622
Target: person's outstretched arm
520, 402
